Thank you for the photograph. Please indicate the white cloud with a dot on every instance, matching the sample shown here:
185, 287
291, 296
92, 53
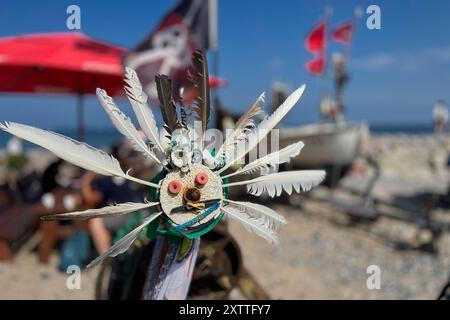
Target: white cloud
440, 54
276, 64
376, 61
404, 60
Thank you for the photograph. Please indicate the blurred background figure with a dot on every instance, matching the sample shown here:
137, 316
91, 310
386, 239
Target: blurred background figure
341, 78
14, 146
440, 116
99, 191
278, 93
15, 162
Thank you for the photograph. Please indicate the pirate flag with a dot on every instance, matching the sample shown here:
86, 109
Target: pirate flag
168, 50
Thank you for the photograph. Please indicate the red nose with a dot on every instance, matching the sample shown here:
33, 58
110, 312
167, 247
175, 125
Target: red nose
192, 194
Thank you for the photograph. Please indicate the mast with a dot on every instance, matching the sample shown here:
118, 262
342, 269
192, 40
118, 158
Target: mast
357, 14
328, 12
213, 33
340, 65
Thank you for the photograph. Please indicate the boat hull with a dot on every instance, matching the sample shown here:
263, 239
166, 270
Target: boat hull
325, 144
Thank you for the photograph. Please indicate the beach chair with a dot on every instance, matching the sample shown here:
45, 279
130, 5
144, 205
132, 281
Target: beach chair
17, 223
52, 232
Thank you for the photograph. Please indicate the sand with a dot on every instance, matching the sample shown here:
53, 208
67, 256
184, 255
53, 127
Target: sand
323, 255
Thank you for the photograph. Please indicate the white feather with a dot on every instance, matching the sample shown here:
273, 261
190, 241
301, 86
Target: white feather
275, 183
124, 125
124, 243
144, 114
164, 138
252, 224
80, 154
272, 219
119, 209
242, 127
269, 163
265, 127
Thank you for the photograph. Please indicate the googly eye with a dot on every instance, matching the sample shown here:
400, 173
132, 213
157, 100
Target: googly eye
175, 186
201, 178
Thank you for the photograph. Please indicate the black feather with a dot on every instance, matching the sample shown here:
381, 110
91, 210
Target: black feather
198, 74
168, 107
183, 114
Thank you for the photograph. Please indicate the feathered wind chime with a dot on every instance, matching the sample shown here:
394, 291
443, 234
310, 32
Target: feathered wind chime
190, 193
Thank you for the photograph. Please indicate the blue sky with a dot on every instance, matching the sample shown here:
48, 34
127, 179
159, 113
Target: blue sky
397, 72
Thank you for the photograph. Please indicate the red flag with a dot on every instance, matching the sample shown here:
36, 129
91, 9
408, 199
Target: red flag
316, 66
316, 40
190, 93
343, 33
216, 82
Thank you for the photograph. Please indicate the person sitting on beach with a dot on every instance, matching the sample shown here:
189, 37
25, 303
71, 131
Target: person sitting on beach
100, 191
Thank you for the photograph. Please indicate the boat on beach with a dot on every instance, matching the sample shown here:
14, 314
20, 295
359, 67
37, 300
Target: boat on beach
326, 144
329, 146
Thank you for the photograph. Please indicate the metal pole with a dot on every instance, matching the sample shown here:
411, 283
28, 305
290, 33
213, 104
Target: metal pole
328, 11
216, 74
214, 38
213, 23
80, 117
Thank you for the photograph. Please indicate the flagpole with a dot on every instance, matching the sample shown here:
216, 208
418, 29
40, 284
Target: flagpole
357, 15
328, 11
213, 25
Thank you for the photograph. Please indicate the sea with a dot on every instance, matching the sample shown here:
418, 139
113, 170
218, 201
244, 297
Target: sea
101, 138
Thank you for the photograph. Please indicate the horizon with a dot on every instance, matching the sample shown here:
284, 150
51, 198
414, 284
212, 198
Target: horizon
106, 136
396, 75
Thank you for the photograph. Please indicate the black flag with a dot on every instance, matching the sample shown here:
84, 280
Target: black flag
168, 50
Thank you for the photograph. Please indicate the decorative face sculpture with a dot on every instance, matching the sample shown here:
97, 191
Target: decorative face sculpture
191, 199
190, 192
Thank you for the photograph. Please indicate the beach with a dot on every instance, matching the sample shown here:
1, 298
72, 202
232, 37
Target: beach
323, 255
